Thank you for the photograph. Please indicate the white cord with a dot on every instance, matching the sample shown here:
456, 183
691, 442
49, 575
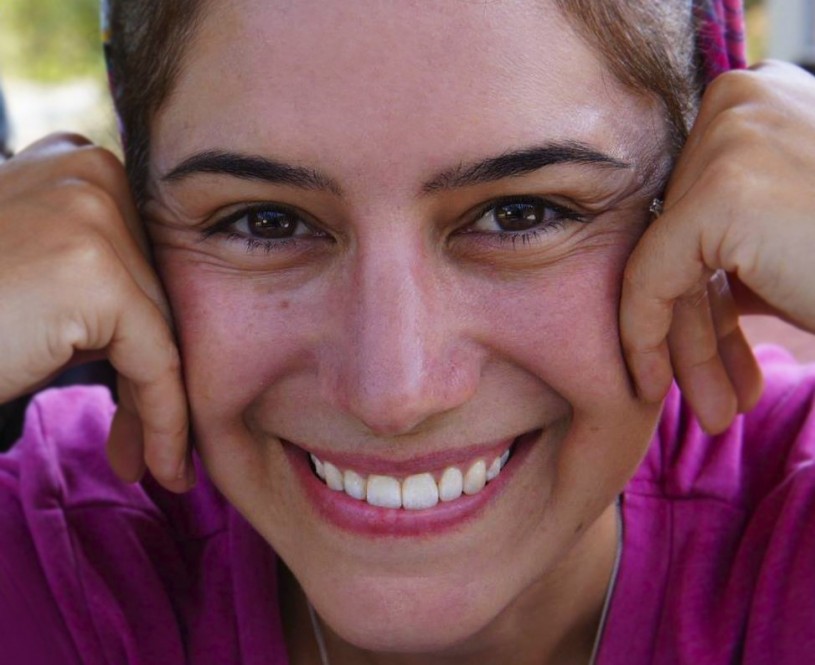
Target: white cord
318, 635
612, 583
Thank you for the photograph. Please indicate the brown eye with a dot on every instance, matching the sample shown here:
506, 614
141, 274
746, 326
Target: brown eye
272, 224
521, 216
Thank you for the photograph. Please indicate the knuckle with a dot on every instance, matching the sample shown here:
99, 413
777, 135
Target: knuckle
88, 203
727, 178
172, 357
646, 257
738, 127
91, 257
71, 138
101, 160
632, 276
101, 166
737, 87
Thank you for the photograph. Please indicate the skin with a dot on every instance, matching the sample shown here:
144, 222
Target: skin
432, 334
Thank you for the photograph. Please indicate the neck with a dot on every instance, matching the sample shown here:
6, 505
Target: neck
555, 621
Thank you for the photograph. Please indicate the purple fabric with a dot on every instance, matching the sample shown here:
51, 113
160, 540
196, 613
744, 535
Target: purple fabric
719, 546
100, 573
718, 561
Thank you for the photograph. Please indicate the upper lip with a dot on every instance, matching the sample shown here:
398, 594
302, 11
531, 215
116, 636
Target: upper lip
377, 464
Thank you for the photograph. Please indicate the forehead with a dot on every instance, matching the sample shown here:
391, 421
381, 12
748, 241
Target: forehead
408, 82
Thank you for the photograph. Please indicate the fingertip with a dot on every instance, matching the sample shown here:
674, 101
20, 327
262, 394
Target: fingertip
125, 447
652, 374
750, 394
170, 462
712, 398
743, 369
186, 473
718, 424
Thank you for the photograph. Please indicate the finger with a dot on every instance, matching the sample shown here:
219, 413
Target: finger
107, 219
144, 352
737, 356
125, 445
53, 144
104, 169
700, 372
661, 269
77, 157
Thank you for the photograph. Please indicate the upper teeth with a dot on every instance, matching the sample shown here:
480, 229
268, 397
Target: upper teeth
423, 490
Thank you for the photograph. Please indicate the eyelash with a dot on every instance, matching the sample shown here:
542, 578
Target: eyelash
254, 244
564, 216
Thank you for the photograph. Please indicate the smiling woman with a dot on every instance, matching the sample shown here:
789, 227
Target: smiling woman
402, 275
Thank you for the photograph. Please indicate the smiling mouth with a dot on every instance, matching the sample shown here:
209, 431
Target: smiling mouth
415, 492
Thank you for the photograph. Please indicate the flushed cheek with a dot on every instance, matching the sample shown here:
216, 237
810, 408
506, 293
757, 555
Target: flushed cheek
561, 325
238, 336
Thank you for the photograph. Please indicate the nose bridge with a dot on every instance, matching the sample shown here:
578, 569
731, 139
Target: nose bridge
397, 369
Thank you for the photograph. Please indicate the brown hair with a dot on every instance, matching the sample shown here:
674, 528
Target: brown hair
145, 55
648, 45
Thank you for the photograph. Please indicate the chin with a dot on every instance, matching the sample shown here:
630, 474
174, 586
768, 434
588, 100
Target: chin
412, 616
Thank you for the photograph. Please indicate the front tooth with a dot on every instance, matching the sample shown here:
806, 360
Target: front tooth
475, 478
419, 492
494, 470
384, 491
451, 485
333, 476
318, 467
354, 485
505, 458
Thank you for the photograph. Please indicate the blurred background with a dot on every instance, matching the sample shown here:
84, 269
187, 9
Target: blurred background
52, 71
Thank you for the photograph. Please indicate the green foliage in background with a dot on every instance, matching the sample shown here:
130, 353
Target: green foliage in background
50, 40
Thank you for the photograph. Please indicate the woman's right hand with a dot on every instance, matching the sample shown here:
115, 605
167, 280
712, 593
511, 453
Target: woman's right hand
76, 284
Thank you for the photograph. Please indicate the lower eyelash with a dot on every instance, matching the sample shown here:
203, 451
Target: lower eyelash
521, 239
267, 246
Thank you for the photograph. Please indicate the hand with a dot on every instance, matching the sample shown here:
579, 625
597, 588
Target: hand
737, 236
76, 285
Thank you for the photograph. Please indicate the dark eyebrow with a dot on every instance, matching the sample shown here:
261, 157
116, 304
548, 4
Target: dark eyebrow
507, 165
251, 167
518, 163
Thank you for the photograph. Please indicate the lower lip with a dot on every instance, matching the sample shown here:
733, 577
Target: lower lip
362, 518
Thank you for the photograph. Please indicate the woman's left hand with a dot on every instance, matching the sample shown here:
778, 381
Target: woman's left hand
737, 236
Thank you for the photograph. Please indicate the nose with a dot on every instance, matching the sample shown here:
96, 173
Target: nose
403, 356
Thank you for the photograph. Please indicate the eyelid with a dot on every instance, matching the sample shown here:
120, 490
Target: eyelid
223, 224
564, 211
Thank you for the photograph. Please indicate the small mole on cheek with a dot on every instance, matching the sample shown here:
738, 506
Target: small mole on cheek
579, 528
284, 304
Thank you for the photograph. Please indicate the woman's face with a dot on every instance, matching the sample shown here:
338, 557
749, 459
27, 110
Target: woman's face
393, 236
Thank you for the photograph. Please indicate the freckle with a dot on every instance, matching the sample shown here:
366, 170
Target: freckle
284, 304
